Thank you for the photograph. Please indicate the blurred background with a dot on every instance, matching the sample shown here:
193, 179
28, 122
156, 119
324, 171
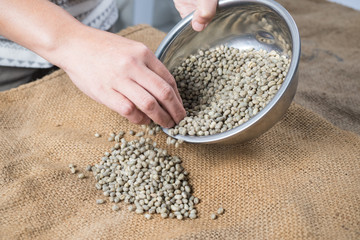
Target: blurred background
355, 4
160, 14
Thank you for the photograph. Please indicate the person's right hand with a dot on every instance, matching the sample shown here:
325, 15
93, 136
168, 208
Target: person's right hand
120, 73
123, 75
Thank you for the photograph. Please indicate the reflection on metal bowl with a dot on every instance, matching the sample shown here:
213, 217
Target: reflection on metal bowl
258, 24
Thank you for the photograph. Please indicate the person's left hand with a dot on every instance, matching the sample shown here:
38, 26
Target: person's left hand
204, 11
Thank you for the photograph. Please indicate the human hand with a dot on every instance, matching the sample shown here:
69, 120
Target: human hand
125, 76
122, 74
204, 11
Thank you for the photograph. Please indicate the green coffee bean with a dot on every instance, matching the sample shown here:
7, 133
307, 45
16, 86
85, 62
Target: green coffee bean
115, 208
140, 173
224, 95
88, 168
220, 210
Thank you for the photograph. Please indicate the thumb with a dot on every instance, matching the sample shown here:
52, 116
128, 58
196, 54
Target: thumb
204, 13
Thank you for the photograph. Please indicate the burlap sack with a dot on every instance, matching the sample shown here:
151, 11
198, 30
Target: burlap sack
329, 81
300, 180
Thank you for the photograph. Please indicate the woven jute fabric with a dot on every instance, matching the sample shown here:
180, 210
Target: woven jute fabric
299, 180
329, 79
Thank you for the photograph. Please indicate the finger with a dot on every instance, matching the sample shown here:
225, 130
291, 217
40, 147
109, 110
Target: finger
163, 93
185, 7
120, 104
206, 10
146, 103
159, 68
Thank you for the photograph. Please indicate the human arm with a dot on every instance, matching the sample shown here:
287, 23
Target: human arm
117, 72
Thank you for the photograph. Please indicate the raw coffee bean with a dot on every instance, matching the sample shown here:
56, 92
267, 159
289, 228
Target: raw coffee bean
220, 210
146, 176
233, 87
115, 208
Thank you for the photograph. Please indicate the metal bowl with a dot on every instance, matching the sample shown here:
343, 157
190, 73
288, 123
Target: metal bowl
259, 24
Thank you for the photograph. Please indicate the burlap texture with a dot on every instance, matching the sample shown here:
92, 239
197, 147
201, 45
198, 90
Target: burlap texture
329, 81
300, 180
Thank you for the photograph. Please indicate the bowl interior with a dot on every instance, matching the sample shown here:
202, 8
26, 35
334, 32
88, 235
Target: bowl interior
242, 25
258, 24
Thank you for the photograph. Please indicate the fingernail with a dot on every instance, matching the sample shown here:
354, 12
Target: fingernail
198, 26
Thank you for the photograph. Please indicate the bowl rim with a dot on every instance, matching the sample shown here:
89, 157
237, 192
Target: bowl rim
296, 49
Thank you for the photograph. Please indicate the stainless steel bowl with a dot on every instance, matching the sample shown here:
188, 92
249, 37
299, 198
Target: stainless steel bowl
259, 24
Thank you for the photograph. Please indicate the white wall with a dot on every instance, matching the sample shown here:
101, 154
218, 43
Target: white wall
160, 14
355, 4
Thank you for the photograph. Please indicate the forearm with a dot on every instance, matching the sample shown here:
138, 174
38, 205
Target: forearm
118, 72
38, 25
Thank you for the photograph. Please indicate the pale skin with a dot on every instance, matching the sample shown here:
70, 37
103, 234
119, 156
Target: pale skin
120, 73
